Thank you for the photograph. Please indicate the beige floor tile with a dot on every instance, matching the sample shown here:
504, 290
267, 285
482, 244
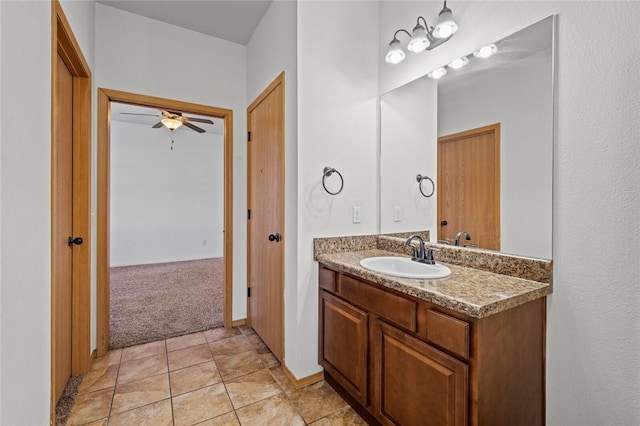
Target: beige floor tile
230, 346
143, 351
221, 333
140, 392
317, 401
229, 419
246, 330
346, 417
89, 407
282, 380
111, 358
101, 378
232, 366
194, 377
274, 411
188, 340
189, 356
156, 414
269, 360
251, 388
101, 422
199, 405
142, 368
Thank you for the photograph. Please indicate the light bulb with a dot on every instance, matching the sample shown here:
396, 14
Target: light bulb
437, 73
486, 51
395, 54
446, 26
458, 63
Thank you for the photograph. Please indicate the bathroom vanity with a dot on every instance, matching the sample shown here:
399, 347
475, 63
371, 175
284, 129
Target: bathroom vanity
466, 349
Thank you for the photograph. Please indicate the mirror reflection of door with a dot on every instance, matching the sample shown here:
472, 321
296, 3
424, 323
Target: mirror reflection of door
469, 187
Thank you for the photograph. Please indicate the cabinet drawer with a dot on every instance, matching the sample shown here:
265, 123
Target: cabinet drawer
327, 279
395, 309
449, 333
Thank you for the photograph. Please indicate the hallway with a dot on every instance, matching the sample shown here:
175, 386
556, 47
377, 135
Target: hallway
216, 377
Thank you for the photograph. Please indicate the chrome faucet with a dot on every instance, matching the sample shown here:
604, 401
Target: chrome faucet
460, 234
420, 254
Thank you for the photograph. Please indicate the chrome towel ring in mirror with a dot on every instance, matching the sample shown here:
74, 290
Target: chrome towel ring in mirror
328, 171
421, 178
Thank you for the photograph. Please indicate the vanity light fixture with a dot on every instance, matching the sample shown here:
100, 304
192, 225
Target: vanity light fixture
456, 64
423, 37
437, 73
485, 51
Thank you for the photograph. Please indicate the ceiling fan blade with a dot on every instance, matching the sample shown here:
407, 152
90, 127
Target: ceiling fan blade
157, 125
192, 127
135, 113
199, 120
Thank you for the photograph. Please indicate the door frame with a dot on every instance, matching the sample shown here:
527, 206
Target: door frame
278, 81
64, 43
105, 97
478, 131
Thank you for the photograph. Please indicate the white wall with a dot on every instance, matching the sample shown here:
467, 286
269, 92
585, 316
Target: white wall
408, 146
141, 55
593, 328
271, 50
25, 203
337, 127
165, 202
519, 97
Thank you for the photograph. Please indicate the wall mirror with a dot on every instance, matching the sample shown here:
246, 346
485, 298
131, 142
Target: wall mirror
510, 94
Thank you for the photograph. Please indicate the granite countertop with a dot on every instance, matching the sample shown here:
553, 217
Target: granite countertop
472, 292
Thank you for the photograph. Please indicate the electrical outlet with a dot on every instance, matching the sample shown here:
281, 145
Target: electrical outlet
204, 242
356, 214
397, 214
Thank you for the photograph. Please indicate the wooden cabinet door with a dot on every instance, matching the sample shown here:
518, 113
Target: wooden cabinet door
343, 344
416, 384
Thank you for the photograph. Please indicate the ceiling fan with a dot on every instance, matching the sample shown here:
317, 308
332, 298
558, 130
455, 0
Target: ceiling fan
173, 119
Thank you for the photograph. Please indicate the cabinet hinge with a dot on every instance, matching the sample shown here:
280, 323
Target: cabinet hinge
248, 214
248, 291
249, 136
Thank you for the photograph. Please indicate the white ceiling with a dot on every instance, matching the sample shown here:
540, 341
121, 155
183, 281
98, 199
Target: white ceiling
150, 116
233, 21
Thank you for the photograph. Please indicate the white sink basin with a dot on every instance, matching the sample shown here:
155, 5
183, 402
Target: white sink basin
404, 267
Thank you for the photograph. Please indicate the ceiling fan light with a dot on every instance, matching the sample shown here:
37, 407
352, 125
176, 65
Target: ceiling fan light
437, 73
171, 123
419, 40
485, 51
446, 26
395, 54
458, 63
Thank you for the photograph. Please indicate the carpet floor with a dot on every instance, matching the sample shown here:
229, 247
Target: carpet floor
158, 301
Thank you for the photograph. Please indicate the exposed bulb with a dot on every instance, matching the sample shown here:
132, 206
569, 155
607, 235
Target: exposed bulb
458, 63
437, 73
446, 26
486, 51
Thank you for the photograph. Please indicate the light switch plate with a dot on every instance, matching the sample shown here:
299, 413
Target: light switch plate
356, 214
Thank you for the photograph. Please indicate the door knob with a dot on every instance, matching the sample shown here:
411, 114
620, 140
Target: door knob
77, 241
274, 237
443, 223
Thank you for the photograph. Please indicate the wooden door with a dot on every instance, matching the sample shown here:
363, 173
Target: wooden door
265, 245
344, 334
62, 227
417, 384
469, 186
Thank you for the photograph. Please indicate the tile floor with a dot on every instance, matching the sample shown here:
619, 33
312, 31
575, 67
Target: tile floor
216, 377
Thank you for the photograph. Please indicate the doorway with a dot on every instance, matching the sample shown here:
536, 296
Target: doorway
70, 207
105, 99
265, 227
469, 187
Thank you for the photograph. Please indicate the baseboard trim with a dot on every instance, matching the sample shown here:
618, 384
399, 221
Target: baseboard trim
305, 381
238, 323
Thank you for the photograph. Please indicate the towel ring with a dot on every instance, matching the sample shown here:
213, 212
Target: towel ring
421, 178
328, 171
